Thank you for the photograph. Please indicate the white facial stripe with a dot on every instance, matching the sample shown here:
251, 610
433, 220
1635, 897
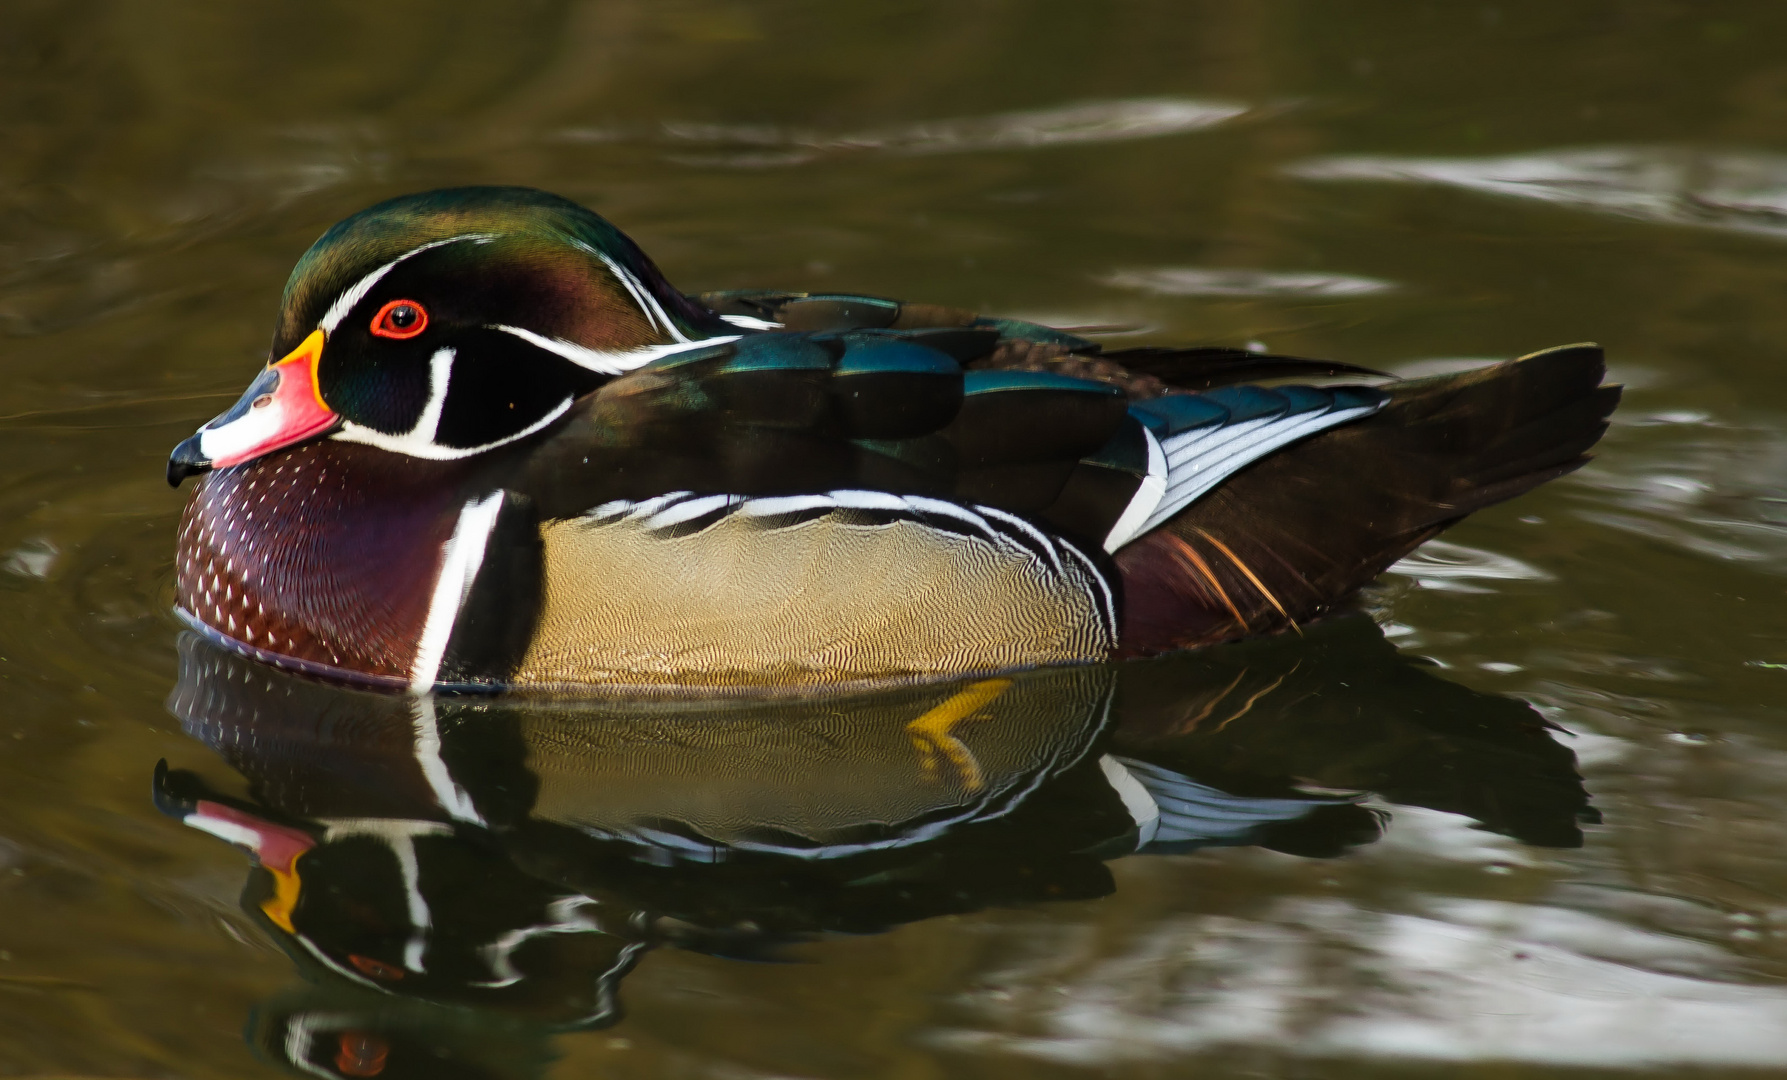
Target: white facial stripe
632, 286
461, 556
566, 917
641, 295
413, 445
750, 322
609, 363
440, 374
357, 292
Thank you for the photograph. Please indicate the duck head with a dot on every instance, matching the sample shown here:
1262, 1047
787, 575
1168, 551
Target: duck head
449, 323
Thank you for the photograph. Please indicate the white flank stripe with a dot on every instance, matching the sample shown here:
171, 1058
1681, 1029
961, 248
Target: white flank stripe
654, 504
612, 509
952, 510
461, 556
1030, 530
853, 499
1104, 588
773, 505
1136, 799
676, 507
685, 511
357, 292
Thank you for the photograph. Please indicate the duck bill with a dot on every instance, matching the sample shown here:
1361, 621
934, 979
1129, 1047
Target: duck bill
281, 407
277, 848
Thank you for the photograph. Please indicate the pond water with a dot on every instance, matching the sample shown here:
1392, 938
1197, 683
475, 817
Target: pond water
1523, 812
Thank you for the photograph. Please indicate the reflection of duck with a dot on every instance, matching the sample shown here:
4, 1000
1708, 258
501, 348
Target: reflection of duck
516, 858
499, 448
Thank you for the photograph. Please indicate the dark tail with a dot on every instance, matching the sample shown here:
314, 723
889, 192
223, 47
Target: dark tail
1291, 535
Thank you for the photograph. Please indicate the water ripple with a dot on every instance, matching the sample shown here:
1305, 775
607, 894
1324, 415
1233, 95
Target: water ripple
1740, 190
771, 146
1200, 281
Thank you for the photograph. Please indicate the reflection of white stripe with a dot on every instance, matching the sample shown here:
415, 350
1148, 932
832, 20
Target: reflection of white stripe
421, 919
448, 795
1141, 806
399, 835
566, 917
461, 556
357, 292
300, 1033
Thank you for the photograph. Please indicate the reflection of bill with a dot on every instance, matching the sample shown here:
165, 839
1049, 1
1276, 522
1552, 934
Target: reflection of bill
422, 857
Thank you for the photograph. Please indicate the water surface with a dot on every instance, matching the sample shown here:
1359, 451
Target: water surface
1523, 811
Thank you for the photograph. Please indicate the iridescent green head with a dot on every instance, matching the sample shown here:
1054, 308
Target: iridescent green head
451, 322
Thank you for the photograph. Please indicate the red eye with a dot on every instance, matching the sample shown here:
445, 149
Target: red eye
400, 319
378, 969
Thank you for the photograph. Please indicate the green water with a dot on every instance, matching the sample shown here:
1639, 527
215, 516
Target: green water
1402, 185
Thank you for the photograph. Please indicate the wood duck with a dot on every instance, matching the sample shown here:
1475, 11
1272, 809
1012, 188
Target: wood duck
495, 448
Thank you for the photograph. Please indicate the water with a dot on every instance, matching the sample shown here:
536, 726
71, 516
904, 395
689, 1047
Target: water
1523, 810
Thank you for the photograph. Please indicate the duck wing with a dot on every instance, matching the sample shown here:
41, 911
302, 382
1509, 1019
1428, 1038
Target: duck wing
921, 412
1289, 537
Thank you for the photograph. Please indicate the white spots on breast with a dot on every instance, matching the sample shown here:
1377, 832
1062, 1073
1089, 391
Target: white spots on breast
229, 552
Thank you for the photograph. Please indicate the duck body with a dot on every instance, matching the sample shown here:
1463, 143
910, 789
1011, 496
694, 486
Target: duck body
497, 449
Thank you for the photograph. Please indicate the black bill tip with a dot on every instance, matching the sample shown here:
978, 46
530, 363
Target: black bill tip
186, 460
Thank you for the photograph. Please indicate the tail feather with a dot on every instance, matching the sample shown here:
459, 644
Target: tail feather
1286, 538
1209, 367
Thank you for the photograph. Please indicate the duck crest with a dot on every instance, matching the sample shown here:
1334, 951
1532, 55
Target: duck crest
326, 555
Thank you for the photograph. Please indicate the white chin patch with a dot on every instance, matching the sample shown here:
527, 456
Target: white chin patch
245, 436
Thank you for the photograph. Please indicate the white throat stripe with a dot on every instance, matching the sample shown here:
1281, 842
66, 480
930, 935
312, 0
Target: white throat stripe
461, 556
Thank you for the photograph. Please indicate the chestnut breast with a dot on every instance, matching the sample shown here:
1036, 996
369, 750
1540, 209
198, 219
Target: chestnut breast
326, 553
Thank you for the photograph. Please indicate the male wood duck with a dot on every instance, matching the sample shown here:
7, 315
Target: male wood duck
495, 448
